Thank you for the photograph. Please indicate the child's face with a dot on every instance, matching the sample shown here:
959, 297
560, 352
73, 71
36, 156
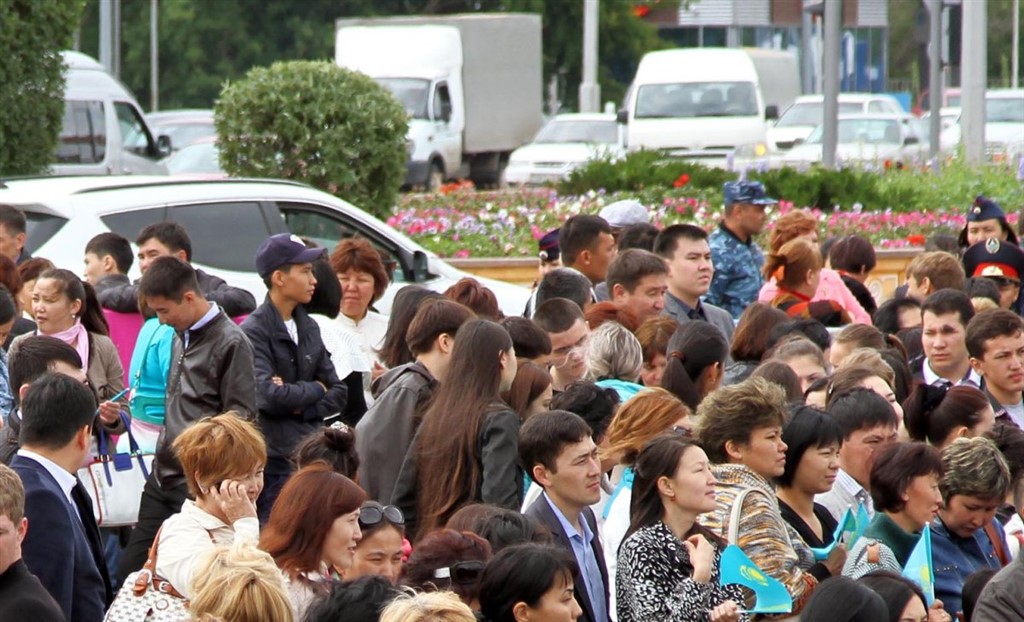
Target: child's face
94, 268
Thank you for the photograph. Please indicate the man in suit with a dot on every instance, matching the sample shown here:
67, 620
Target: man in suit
690, 271
63, 548
22, 596
557, 450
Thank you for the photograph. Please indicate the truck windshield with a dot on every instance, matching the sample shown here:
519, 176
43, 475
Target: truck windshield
410, 92
1004, 110
696, 99
564, 131
810, 113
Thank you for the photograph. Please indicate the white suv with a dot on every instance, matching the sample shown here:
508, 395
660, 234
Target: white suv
226, 220
805, 114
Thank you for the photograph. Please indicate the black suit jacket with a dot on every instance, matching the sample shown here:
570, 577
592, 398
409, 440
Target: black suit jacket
541, 510
63, 552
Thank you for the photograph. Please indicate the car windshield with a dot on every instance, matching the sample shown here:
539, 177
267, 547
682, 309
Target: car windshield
1004, 110
576, 131
697, 99
870, 131
810, 113
201, 158
410, 92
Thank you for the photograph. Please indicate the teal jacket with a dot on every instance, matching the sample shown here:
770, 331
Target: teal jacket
147, 374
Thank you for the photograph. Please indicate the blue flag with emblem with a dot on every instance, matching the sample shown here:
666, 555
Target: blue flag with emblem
848, 531
919, 565
772, 596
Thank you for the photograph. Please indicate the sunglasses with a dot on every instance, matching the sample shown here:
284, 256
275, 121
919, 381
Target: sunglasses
463, 573
370, 515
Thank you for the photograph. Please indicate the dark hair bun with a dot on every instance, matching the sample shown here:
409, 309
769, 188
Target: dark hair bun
340, 437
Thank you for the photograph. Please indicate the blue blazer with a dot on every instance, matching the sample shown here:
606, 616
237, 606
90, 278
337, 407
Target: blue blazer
57, 548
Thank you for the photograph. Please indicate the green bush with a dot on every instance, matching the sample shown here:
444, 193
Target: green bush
314, 122
649, 174
32, 80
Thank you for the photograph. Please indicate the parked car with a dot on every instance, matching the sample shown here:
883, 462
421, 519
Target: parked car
800, 119
226, 219
876, 139
565, 143
183, 127
1004, 124
949, 134
201, 158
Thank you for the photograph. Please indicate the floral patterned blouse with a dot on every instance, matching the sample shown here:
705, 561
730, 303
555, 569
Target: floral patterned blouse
654, 580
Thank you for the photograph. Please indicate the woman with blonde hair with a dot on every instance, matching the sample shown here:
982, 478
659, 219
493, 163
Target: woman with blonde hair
240, 583
803, 225
427, 607
796, 268
222, 458
650, 414
614, 359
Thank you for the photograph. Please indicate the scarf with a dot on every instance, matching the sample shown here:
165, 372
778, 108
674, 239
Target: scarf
78, 337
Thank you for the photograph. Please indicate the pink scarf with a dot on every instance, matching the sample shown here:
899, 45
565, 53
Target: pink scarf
78, 337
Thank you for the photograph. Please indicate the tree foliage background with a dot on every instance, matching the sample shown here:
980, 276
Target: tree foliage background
32, 34
205, 43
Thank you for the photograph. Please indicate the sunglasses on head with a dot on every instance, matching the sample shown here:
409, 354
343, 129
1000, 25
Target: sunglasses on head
463, 573
373, 514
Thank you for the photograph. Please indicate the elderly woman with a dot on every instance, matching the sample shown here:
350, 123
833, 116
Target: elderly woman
801, 224
965, 536
740, 428
313, 530
363, 279
222, 458
905, 492
614, 359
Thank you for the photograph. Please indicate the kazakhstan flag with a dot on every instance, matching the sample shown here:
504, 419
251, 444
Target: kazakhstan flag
919, 565
772, 596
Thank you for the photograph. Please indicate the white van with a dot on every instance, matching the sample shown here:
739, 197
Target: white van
707, 103
104, 132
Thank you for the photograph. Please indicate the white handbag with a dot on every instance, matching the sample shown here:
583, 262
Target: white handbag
114, 481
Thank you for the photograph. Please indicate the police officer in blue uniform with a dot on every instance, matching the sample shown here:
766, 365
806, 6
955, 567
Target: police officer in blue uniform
738, 260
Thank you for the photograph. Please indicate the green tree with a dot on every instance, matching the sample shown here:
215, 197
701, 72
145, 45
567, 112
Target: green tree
32, 81
317, 123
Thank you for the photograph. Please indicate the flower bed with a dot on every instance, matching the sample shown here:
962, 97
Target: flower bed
461, 222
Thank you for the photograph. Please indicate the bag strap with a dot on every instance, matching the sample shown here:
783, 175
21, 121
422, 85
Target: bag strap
736, 514
997, 544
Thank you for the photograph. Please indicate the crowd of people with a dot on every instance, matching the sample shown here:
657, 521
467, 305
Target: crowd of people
667, 393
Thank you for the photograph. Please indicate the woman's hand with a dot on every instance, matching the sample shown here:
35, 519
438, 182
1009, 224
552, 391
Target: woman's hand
377, 371
835, 560
702, 557
728, 611
937, 612
232, 498
110, 412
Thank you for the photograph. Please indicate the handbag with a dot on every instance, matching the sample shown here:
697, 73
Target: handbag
145, 597
114, 481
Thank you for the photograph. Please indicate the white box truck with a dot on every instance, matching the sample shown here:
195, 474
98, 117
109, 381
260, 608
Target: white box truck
708, 103
471, 84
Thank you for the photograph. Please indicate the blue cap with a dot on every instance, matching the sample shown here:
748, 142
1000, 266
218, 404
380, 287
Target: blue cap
548, 246
751, 192
984, 209
993, 258
283, 249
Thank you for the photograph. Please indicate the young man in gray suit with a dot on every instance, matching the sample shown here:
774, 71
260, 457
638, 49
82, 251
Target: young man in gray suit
690, 270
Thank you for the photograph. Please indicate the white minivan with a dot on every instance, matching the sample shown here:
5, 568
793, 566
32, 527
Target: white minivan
104, 132
707, 103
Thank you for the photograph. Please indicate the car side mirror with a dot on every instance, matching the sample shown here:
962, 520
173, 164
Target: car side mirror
622, 116
771, 112
163, 145
798, 141
911, 140
420, 271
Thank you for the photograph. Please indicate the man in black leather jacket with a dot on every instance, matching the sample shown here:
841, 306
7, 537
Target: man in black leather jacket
170, 238
211, 372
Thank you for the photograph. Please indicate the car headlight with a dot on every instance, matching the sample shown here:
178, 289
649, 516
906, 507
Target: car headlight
752, 150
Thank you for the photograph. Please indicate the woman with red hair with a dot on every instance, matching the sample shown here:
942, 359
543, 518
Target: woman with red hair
802, 224
313, 530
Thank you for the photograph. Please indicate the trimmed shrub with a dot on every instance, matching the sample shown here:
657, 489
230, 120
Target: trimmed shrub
314, 122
